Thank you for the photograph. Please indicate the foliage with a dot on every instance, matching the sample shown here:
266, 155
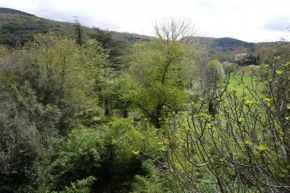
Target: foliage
119, 164
116, 50
239, 150
81, 186
79, 157
62, 76
187, 126
159, 70
117, 91
115, 47
67, 60
25, 150
152, 182
41, 102
213, 74
229, 68
17, 28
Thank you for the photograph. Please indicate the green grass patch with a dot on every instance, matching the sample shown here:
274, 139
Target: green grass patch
243, 85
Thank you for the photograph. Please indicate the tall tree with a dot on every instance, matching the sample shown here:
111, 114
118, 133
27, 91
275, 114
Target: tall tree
79, 32
117, 49
160, 70
116, 63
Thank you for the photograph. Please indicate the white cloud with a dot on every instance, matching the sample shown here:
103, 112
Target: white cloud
248, 20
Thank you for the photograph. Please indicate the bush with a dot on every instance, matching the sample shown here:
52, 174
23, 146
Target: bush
81, 186
79, 158
213, 74
229, 68
24, 152
119, 164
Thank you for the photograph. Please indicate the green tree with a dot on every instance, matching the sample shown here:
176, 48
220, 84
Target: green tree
25, 149
44, 88
244, 149
119, 164
79, 158
116, 48
213, 74
160, 71
116, 63
81, 186
68, 61
62, 75
212, 84
117, 91
79, 32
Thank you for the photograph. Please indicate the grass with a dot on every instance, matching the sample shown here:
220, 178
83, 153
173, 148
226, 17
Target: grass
242, 84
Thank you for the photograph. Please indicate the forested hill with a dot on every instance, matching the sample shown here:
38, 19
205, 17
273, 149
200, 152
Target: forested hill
230, 44
17, 26
223, 45
93, 113
13, 11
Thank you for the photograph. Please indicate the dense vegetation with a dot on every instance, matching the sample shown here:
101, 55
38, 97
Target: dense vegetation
17, 26
92, 113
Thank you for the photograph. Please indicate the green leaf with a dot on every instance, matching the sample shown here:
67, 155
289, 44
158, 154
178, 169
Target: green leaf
136, 152
262, 148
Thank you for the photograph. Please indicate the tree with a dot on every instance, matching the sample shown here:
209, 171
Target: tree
76, 66
79, 32
213, 74
116, 48
44, 88
244, 149
62, 75
117, 91
80, 186
79, 158
116, 63
26, 149
160, 71
212, 84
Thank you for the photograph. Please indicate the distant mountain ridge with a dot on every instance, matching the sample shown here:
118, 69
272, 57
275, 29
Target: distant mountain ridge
14, 11
18, 26
227, 43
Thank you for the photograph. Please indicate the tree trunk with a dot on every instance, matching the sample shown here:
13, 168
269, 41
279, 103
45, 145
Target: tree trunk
107, 111
157, 116
125, 113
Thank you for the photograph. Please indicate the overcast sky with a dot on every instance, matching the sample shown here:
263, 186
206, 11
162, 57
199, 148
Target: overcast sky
248, 20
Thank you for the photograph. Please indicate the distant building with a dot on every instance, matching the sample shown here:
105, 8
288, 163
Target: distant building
240, 57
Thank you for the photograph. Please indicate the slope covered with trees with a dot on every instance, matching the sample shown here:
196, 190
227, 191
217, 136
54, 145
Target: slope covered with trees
17, 26
90, 112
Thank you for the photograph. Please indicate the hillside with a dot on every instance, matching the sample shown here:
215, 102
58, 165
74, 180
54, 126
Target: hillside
230, 44
22, 28
93, 113
17, 26
13, 11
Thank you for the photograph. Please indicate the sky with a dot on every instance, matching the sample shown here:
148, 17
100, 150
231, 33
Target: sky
247, 20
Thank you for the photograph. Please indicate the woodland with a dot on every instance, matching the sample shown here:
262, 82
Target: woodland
97, 111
